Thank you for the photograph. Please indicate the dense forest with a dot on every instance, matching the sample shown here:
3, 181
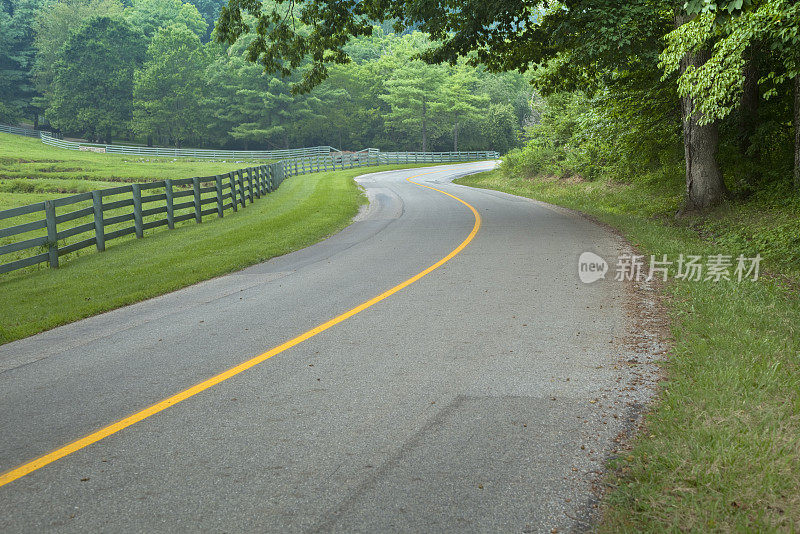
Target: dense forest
632, 85
647, 92
150, 71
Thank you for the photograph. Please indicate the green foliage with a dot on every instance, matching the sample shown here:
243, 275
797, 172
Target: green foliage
502, 35
209, 9
616, 134
250, 106
168, 90
192, 95
16, 58
150, 15
716, 85
463, 103
413, 99
55, 22
93, 90
500, 128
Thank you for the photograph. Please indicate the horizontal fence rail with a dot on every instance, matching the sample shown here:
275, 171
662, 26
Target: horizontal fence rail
46, 231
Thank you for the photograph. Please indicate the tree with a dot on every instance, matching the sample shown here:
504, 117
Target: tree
511, 87
461, 102
253, 107
729, 30
168, 90
16, 59
55, 22
150, 15
414, 94
500, 129
586, 42
93, 86
209, 9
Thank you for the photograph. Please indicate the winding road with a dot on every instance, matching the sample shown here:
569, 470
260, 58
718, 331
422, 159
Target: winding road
435, 367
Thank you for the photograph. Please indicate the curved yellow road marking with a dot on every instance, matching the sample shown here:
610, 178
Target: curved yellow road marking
104, 432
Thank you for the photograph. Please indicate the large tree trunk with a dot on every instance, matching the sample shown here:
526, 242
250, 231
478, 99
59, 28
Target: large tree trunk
704, 185
455, 137
424, 125
797, 132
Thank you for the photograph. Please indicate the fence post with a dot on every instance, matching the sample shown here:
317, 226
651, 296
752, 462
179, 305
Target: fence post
218, 180
197, 206
100, 237
242, 192
137, 210
257, 171
170, 204
52, 235
250, 184
234, 200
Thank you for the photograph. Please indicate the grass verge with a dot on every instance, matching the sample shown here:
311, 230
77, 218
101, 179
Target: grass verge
304, 210
720, 449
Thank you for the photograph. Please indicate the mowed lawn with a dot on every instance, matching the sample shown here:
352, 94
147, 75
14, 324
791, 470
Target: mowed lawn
304, 210
28, 165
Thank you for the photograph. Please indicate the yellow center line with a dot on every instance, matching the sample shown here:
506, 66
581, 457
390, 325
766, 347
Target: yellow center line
113, 428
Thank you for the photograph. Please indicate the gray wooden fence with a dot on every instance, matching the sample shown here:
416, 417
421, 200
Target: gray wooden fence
52, 139
27, 132
46, 231
161, 152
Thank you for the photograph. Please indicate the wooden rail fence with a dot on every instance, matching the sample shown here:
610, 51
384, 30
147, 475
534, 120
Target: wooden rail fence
68, 224
27, 132
206, 153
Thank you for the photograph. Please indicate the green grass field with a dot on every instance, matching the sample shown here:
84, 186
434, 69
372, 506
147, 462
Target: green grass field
24, 160
31, 172
720, 450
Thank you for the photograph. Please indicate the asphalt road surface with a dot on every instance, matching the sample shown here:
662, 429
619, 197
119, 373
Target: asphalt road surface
483, 396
